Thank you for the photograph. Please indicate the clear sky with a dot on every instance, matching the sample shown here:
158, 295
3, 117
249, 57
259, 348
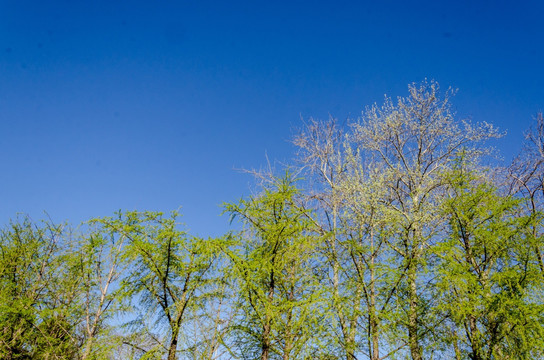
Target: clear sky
108, 105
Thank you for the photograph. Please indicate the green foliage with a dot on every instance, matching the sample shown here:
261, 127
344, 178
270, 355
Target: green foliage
100, 264
488, 277
398, 246
279, 297
170, 274
39, 311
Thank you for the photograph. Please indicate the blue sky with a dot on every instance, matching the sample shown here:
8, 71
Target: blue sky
154, 105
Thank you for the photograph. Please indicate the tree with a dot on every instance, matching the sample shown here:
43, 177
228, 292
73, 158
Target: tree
409, 143
527, 172
100, 264
170, 273
350, 196
487, 279
39, 308
367, 227
415, 140
321, 153
279, 297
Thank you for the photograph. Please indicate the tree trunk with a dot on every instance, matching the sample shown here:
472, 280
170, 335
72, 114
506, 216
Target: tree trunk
267, 326
88, 347
173, 344
266, 340
374, 326
413, 338
287, 349
474, 339
288, 337
456, 346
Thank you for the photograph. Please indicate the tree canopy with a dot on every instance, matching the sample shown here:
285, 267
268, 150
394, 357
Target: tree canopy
395, 236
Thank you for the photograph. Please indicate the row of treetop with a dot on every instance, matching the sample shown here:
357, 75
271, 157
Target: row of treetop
395, 236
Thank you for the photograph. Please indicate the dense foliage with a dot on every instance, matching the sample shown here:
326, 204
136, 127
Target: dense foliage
388, 239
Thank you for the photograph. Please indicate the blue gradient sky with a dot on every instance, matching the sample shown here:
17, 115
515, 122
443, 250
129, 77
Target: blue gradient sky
154, 105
